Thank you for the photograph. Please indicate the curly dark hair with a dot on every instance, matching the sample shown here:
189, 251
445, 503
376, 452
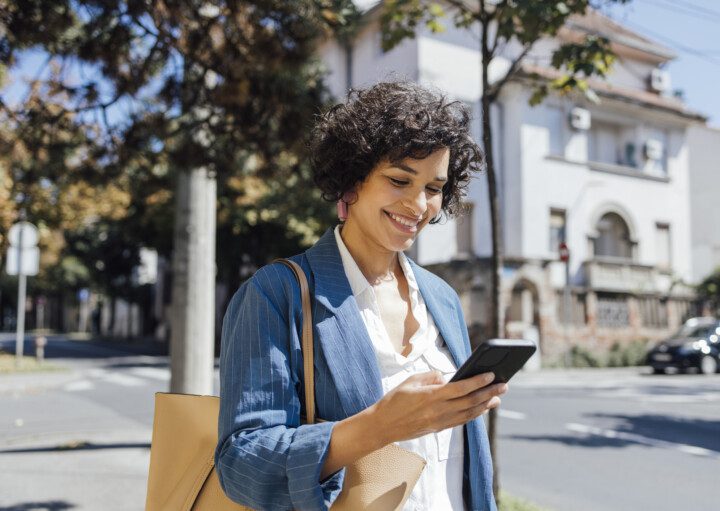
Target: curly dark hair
392, 121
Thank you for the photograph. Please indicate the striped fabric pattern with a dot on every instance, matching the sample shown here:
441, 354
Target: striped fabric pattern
267, 459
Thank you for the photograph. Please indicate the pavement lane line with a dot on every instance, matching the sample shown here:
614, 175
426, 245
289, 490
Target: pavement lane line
96, 373
75, 386
632, 437
124, 380
154, 373
509, 414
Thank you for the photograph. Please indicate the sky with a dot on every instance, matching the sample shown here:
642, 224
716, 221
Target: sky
690, 28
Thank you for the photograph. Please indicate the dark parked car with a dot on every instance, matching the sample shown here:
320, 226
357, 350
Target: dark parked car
695, 346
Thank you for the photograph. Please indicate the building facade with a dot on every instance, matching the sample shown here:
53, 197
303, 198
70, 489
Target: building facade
608, 179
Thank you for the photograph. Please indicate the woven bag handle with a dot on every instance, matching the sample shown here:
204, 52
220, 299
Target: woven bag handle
307, 339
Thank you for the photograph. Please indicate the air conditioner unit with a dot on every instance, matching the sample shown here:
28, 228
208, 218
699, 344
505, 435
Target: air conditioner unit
580, 118
659, 80
653, 149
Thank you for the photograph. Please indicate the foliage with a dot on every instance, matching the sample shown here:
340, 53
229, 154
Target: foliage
28, 364
709, 291
620, 354
627, 354
134, 92
582, 357
509, 502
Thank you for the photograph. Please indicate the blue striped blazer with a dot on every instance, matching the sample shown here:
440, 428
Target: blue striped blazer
267, 459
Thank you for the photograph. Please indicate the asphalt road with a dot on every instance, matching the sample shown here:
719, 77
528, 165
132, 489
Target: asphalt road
612, 440
569, 440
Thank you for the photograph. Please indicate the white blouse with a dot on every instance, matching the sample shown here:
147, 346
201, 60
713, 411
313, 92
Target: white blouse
440, 484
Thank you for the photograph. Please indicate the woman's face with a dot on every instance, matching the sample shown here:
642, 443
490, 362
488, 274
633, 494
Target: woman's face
397, 200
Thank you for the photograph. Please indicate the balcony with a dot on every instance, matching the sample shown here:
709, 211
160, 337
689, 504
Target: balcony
620, 275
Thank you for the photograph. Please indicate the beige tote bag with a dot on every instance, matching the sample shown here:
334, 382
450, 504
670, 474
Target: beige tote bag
182, 473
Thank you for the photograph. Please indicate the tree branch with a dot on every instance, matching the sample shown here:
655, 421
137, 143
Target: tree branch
497, 87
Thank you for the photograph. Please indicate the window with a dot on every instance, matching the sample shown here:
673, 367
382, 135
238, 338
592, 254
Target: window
614, 144
556, 127
663, 248
612, 311
653, 312
464, 231
557, 229
613, 238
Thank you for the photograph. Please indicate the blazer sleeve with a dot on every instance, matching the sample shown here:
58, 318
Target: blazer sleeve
265, 458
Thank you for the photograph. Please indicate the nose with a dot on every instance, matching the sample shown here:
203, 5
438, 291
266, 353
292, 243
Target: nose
416, 202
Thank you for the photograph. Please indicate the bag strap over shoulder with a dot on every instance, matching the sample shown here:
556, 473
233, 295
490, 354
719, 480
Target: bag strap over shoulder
307, 339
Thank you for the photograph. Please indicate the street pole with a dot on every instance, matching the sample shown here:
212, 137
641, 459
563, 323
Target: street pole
567, 317
564, 252
20, 332
22, 289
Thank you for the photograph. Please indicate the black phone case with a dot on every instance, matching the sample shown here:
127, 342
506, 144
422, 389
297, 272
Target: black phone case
504, 357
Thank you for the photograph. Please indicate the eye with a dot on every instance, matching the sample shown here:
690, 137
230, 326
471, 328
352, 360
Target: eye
397, 182
434, 191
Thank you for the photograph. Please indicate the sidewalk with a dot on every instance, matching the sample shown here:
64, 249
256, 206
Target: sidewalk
580, 377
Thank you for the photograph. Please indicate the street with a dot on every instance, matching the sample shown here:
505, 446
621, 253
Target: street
610, 439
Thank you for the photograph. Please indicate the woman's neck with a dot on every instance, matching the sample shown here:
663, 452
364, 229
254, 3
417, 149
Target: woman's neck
376, 263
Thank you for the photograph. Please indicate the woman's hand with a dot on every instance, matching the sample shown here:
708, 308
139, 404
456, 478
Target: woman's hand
424, 403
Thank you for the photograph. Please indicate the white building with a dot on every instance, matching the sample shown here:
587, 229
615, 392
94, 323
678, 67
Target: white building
704, 144
610, 179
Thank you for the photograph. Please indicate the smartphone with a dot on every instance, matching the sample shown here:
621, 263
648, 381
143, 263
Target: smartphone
504, 357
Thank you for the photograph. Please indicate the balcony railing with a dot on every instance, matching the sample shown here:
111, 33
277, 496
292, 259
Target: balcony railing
620, 276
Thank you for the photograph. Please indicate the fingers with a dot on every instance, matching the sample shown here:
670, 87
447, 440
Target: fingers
476, 406
480, 397
463, 387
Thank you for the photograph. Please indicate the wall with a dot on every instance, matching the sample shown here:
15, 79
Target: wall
703, 143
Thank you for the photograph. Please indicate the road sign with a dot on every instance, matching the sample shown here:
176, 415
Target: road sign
26, 264
564, 252
24, 231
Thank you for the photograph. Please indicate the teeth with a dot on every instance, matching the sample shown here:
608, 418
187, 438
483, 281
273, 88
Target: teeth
403, 221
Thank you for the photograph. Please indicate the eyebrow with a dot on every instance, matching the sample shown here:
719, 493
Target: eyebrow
411, 170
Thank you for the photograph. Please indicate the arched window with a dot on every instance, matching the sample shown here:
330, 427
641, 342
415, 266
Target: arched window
613, 238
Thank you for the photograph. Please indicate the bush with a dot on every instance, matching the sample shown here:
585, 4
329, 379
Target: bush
626, 355
582, 357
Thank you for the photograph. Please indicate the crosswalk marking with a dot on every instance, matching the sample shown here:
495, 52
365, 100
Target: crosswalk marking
124, 380
138, 379
154, 373
509, 414
78, 385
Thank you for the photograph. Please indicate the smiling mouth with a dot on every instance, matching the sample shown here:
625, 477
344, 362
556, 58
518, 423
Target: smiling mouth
402, 223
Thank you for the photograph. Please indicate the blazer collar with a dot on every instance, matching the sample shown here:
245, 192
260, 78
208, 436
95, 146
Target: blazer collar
342, 335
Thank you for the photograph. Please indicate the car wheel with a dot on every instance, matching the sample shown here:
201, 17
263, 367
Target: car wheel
658, 370
708, 365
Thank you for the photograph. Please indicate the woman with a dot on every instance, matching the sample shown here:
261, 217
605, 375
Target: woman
389, 334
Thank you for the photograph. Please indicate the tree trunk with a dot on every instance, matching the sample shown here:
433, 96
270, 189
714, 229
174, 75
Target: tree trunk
193, 294
496, 313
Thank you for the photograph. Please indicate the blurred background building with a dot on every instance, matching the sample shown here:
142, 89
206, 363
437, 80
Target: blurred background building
626, 182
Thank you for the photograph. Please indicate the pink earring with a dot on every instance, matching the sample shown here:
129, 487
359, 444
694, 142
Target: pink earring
342, 210
342, 206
